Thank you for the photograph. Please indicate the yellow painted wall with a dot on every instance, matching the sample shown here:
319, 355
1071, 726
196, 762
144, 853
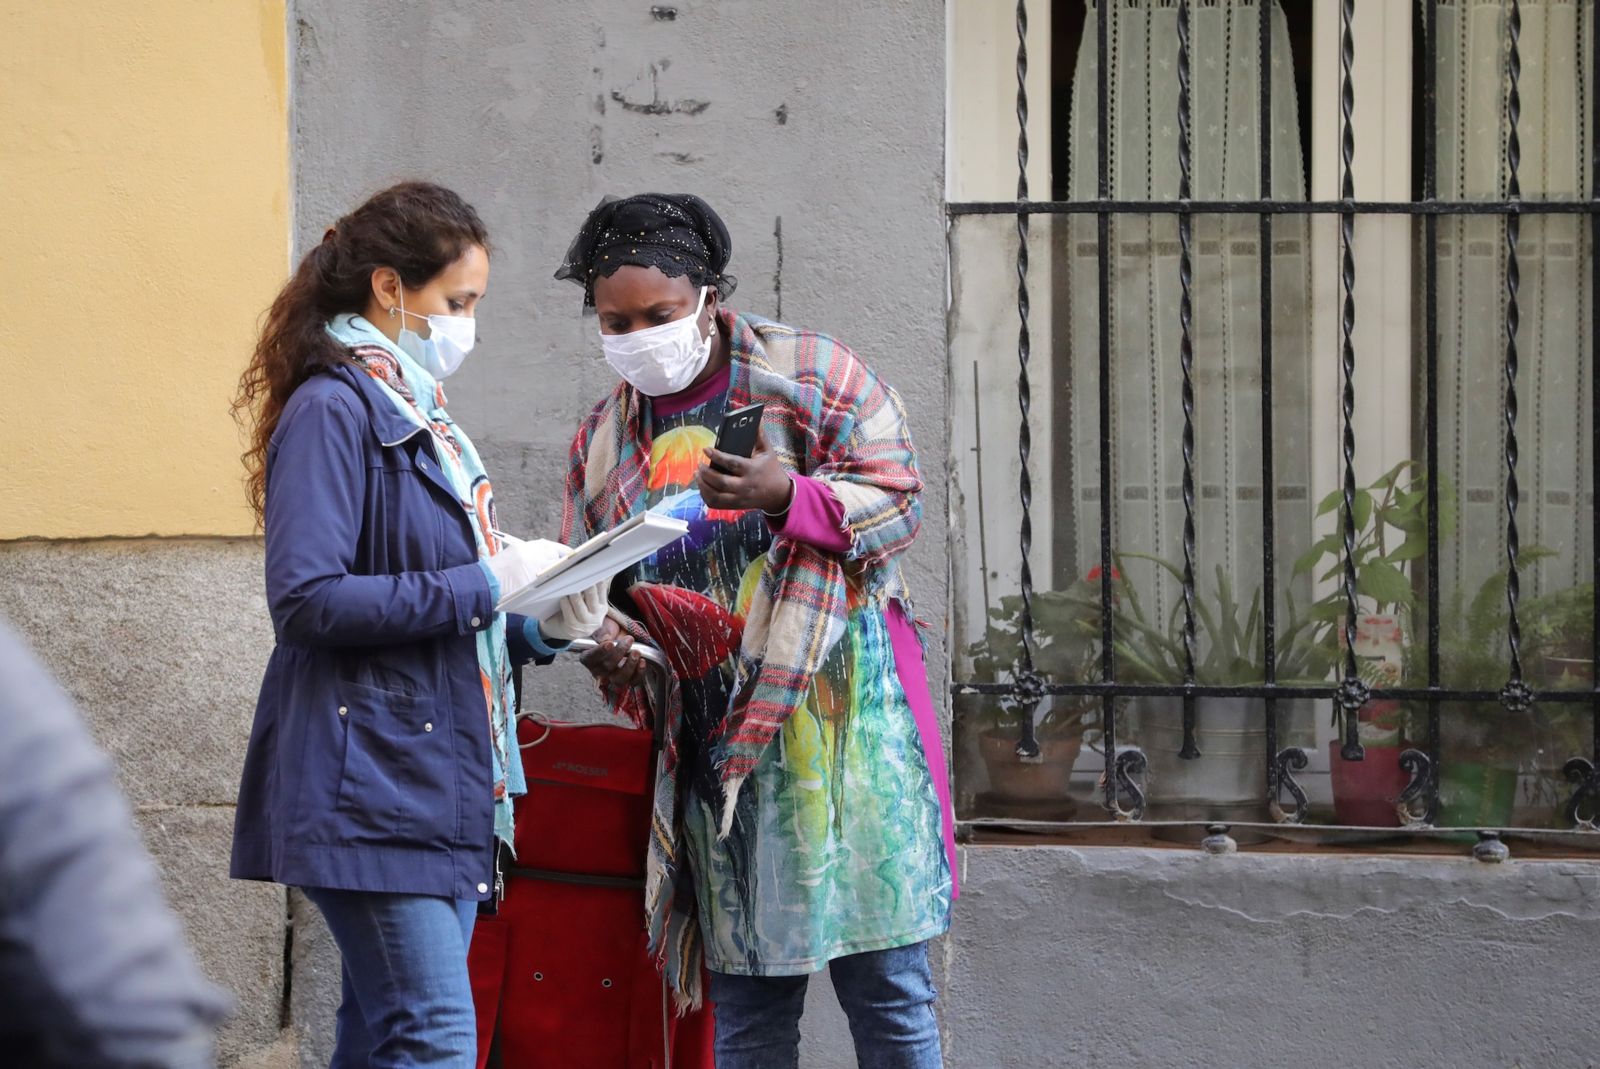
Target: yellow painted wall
144, 226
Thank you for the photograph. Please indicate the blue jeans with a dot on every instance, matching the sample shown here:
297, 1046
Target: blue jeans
887, 995
407, 999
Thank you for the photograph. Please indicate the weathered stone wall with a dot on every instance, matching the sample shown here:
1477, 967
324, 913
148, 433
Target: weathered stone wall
162, 643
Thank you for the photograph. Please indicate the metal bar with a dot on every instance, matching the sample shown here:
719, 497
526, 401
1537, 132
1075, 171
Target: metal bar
1027, 678
1108, 664
1189, 750
1279, 764
1594, 352
1430, 261
1516, 697
1423, 765
1584, 773
1277, 207
1261, 690
1353, 692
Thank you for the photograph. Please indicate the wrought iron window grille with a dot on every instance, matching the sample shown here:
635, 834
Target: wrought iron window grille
1121, 790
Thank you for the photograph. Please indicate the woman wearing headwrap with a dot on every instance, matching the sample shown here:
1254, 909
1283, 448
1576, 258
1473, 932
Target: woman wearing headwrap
802, 818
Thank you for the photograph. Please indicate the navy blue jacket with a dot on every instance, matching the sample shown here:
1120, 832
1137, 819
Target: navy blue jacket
369, 764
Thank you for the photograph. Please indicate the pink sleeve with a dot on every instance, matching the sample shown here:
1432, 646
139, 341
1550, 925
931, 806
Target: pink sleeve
913, 673
815, 517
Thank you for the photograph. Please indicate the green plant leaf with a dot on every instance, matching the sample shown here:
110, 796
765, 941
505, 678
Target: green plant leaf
1411, 549
1488, 607
1392, 476
1361, 555
1533, 554
1168, 566
1329, 503
1361, 509
1384, 583
1127, 588
1325, 545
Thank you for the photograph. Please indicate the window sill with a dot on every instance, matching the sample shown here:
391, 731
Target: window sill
1302, 839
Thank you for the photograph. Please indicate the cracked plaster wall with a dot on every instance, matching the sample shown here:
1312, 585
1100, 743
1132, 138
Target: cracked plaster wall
1174, 958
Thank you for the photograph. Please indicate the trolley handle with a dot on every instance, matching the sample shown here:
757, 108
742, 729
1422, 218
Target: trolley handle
649, 653
655, 680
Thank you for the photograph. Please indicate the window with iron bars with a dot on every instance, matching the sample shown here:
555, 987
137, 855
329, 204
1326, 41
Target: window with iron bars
1273, 418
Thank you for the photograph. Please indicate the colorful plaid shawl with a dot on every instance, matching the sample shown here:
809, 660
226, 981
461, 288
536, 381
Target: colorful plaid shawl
829, 417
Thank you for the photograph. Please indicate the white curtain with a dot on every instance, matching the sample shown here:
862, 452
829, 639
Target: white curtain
1147, 417
1554, 430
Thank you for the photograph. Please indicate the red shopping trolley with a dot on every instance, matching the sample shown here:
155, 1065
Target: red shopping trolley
561, 974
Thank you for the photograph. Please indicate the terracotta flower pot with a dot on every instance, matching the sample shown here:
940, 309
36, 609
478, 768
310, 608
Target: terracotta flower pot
1365, 792
1046, 780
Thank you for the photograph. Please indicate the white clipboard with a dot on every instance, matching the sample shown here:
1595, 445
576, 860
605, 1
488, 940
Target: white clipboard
598, 559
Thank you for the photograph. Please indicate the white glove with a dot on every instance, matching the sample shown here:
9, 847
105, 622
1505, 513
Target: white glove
580, 615
518, 563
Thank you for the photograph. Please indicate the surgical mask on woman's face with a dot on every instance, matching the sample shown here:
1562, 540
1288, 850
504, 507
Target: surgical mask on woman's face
446, 347
664, 359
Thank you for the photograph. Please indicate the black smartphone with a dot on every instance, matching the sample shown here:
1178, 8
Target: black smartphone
737, 435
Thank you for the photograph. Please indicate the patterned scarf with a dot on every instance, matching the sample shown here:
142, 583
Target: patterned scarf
829, 417
419, 397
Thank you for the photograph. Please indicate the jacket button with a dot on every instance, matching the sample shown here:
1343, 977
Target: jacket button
483, 888
343, 711
475, 622
428, 726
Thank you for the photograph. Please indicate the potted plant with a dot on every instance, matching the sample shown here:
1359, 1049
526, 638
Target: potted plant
1558, 654
1064, 647
1558, 638
1478, 777
1483, 743
1390, 521
1228, 780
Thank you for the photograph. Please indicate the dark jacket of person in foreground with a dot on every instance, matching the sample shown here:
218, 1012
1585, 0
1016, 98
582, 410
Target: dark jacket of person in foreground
94, 971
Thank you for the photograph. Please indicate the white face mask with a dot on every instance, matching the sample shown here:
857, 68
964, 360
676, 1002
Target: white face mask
661, 360
446, 347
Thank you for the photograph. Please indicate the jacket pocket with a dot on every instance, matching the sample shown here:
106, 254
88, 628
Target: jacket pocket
398, 784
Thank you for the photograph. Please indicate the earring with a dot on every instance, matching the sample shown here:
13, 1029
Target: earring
393, 312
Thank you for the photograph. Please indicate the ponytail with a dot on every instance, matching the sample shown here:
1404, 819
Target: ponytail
416, 228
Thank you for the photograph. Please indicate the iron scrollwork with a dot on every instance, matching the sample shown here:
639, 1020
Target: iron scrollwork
1289, 761
1128, 765
1585, 795
1420, 766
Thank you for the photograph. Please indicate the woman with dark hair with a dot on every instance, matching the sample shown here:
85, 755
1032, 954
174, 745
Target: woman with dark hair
803, 818
382, 763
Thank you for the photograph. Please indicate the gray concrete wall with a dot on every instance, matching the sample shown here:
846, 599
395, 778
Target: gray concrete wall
824, 117
822, 120
1172, 958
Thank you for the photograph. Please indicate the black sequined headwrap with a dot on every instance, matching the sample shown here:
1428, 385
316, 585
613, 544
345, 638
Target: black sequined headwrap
676, 232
